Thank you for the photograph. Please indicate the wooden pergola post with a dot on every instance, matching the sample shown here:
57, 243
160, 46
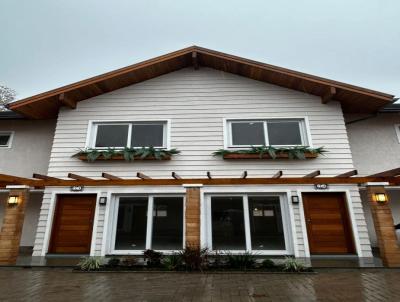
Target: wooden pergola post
192, 216
384, 227
13, 221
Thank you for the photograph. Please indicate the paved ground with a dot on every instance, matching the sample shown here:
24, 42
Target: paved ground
64, 285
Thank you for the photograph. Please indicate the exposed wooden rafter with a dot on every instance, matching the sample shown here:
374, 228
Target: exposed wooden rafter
67, 101
348, 174
209, 176
278, 174
44, 177
313, 174
142, 176
244, 175
78, 177
387, 173
195, 60
175, 175
109, 176
327, 97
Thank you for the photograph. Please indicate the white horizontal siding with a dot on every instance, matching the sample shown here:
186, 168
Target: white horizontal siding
196, 103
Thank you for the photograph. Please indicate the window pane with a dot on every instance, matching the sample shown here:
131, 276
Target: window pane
284, 133
4, 138
112, 135
167, 223
150, 135
266, 223
131, 224
248, 133
227, 223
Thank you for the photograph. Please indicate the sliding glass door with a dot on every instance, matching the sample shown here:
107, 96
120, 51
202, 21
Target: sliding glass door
148, 222
247, 223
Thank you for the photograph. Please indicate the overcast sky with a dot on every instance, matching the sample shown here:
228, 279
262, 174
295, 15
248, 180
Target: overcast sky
47, 44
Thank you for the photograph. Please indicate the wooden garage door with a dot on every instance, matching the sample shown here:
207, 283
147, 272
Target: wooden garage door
328, 225
73, 224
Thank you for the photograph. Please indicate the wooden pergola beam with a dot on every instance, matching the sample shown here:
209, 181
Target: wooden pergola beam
67, 101
16, 180
313, 174
387, 173
348, 174
78, 177
244, 175
142, 176
195, 61
110, 176
44, 177
278, 174
327, 97
209, 176
175, 175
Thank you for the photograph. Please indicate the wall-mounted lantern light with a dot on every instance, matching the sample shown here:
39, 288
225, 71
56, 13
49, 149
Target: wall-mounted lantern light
381, 198
103, 201
13, 200
295, 199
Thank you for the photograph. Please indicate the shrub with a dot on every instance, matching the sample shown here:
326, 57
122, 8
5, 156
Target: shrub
194, 258
113, 262
152, 258
172, 262
90, 263
129, 261
268, 263
243, 261
293, 265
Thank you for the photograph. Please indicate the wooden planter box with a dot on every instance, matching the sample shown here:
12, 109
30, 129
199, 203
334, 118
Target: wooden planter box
120, 157
307, 155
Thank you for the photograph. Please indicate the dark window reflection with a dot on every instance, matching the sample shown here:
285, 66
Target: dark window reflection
132, 223
167, 223
228, 231
266, 223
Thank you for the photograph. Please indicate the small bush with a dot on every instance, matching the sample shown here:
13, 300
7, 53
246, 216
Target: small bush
194, 258
293, 265
268, 263
243, 261
152, 258
90, 263
113, 262
129, 261
172, 262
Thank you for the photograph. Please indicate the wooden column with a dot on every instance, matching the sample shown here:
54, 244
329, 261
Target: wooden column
384, 228
192, 216
11, 230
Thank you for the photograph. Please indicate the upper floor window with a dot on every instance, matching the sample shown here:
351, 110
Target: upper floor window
6, 139
269, 132
129, 134
397, 127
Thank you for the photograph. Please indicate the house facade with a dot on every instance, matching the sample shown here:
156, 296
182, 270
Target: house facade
110, 199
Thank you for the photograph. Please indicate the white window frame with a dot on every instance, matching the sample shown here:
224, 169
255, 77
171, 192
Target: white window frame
93, 126
10, 140
245, 200
303, 124
397, 129
149, 229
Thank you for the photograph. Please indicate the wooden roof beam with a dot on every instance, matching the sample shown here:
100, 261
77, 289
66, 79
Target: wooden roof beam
387, 173
110, 176
327, 97
142, 176
348, 174
313, 174
67, 101
244, 175
44, 177
78, 177
278, 174
176, 176
195, 61
10, 179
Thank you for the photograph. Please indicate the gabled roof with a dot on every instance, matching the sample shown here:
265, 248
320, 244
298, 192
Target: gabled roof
353, 98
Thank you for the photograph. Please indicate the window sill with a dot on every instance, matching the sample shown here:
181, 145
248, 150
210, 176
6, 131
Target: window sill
120, 157
307, 155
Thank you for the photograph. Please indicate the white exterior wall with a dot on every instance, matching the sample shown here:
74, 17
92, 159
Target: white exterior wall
196, 102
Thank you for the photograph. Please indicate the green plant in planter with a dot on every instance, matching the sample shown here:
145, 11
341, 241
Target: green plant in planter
113, 262
90, 263
172, 262
292, 152
129, 261
293, 265
268, 263
242, 261
194, 258
152, 258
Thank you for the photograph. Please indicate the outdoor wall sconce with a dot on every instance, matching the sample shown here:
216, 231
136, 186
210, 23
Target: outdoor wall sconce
13, 200
103, 201
381, 198
295, 199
